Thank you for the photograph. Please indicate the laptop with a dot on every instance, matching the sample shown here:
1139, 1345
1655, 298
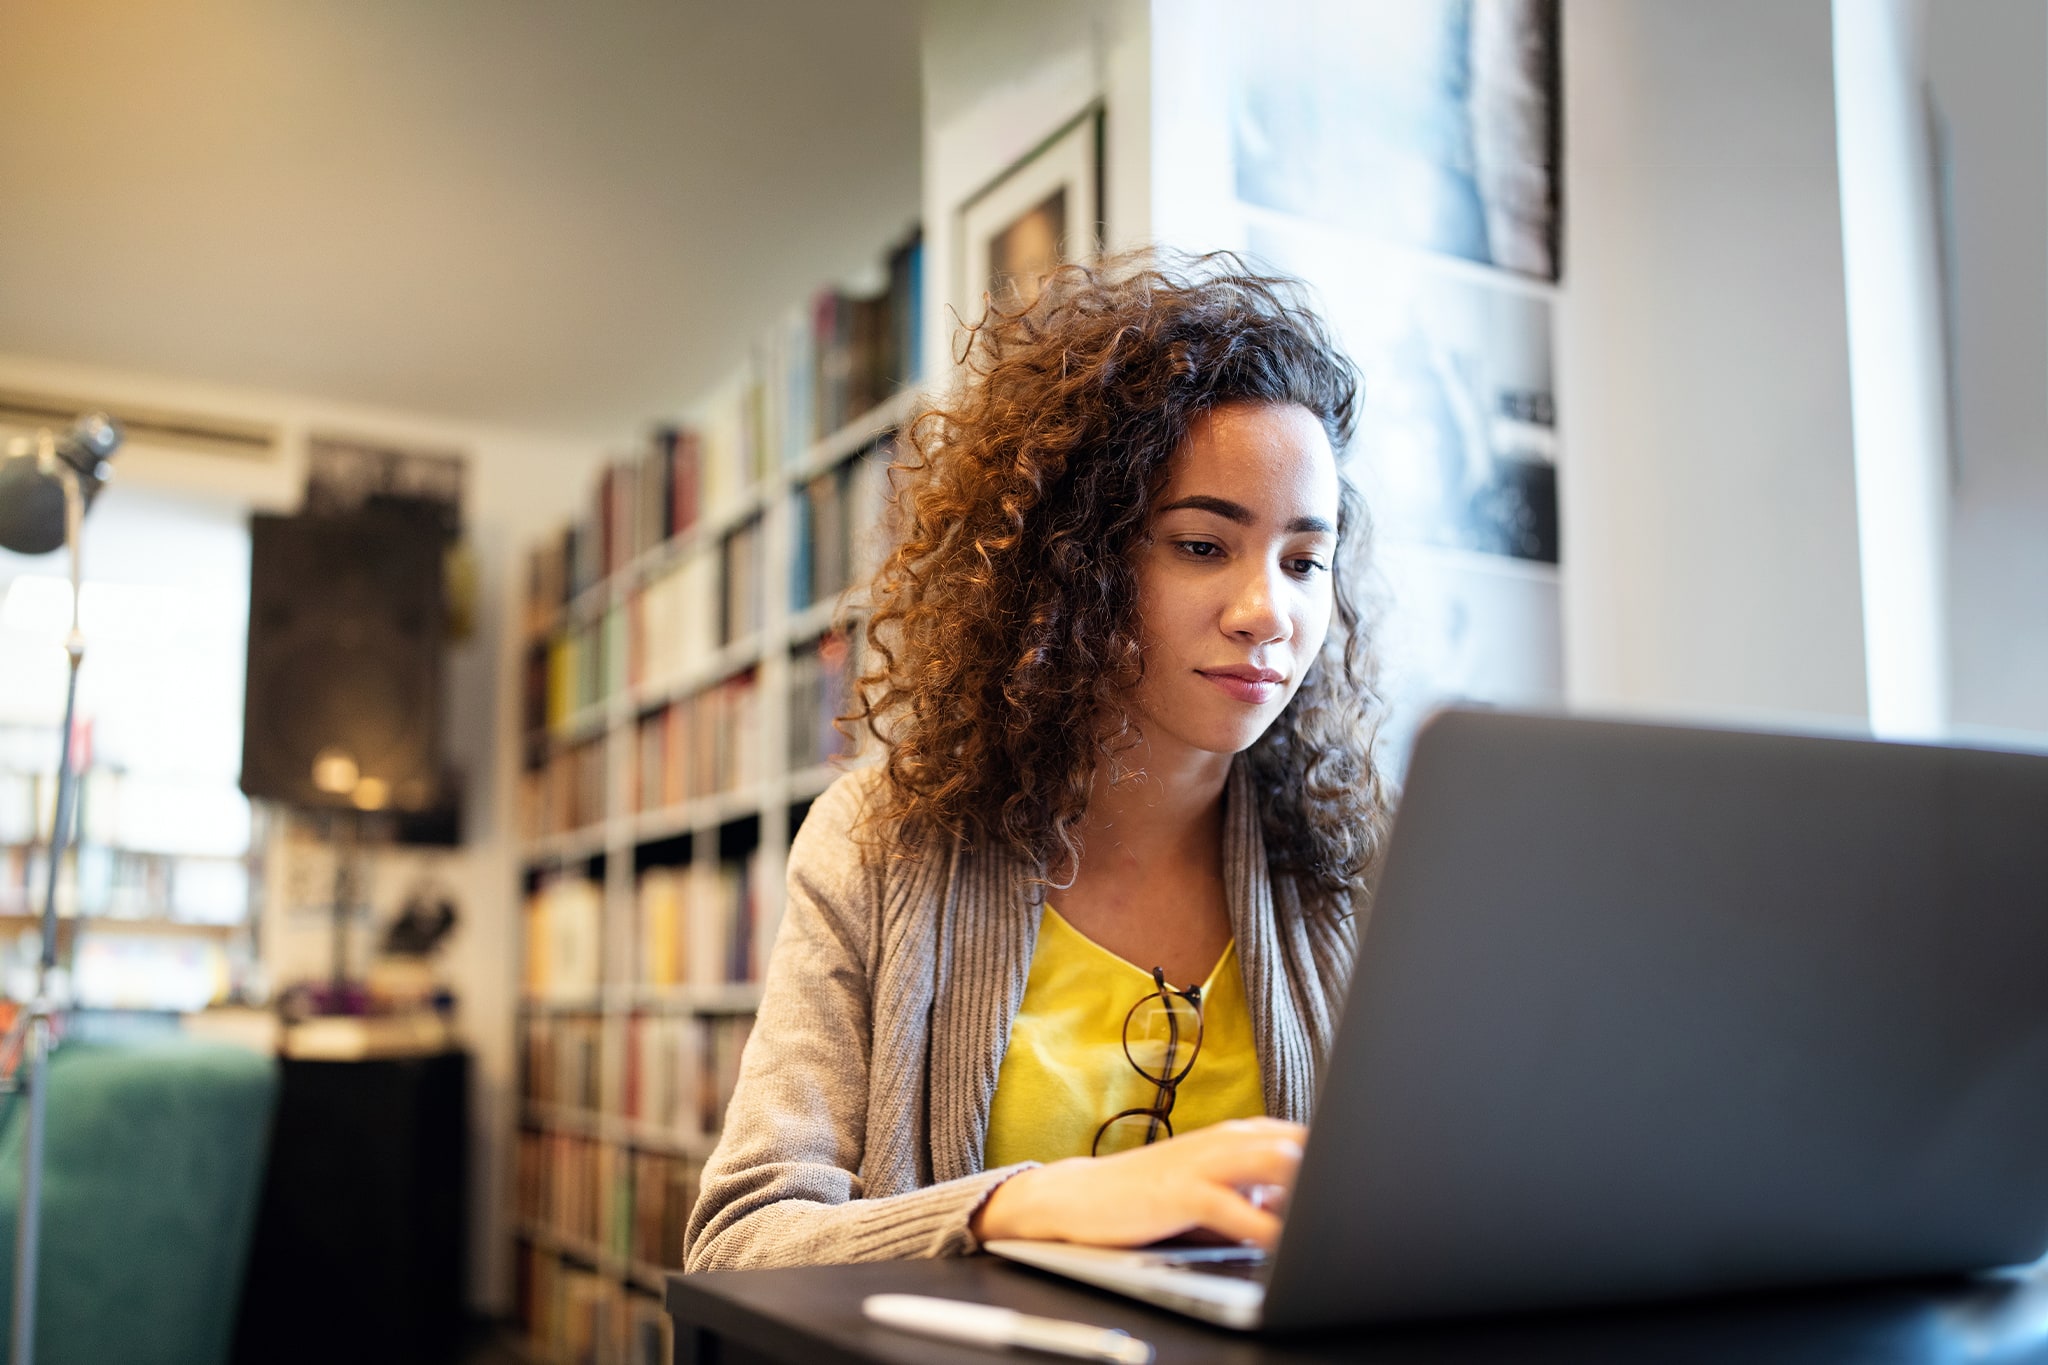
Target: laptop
1647, 1011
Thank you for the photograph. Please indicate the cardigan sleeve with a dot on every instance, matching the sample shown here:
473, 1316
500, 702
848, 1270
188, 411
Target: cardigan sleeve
783, 1185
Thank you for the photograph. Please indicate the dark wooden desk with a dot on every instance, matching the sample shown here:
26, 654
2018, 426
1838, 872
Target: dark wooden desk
812, 1316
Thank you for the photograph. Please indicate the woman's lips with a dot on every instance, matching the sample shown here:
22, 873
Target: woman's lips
1252, 686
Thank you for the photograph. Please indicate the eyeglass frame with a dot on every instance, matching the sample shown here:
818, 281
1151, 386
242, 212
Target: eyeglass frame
1160, 1113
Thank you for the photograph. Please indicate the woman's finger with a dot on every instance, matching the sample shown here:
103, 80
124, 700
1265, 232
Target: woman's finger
1271, 1198
1270, 1127
1253, 1161
1228, 1214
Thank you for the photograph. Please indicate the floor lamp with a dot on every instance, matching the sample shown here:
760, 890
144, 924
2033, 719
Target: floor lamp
53, 484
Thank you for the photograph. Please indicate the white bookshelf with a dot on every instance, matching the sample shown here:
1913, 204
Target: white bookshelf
762, 806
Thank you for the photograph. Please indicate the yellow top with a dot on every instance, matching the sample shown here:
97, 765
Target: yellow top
1065, 1070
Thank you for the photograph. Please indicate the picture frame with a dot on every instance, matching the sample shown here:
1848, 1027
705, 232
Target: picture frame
1043, 211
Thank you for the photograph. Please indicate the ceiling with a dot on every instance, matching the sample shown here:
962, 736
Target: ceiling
564, 217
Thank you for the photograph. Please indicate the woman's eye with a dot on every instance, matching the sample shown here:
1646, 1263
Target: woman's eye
1305, 567
1200, 549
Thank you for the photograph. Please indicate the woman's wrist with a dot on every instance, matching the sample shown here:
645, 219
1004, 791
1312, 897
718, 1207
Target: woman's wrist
1006, 1213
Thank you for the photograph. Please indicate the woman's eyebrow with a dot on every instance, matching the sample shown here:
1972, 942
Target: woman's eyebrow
1242, 515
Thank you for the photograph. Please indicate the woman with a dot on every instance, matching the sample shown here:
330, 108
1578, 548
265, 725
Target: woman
1066, 962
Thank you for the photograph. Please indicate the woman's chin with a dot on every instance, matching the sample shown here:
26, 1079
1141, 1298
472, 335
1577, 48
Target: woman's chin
1227, 735
1205, 724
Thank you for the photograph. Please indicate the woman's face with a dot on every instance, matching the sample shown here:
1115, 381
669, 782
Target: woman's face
1234, 584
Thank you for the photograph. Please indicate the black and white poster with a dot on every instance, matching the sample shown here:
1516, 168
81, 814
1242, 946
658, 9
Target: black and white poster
1430, 124
1457, 433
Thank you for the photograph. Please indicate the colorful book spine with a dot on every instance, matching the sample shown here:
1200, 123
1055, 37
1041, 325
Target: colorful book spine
564, 940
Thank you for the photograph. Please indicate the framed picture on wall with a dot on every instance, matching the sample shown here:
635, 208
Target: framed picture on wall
1430, 123
1038, 214
1457, 443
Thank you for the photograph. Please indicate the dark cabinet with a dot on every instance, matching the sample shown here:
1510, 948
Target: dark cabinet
359, 1246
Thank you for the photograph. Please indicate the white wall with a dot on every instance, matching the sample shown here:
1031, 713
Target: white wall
1989, 68
1708, 485
1708, 491
520, 486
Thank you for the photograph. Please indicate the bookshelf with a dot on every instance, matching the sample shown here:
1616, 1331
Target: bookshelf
155, 913
681, 666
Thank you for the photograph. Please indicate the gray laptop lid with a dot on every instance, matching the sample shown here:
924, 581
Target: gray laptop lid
1645, 1011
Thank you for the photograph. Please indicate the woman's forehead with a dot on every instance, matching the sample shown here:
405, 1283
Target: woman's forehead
1273, 458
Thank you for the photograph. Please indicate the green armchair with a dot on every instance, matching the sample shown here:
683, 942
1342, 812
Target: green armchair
154, 1156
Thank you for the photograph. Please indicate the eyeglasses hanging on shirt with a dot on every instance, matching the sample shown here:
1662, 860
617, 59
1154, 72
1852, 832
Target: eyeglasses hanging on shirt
1162, 1036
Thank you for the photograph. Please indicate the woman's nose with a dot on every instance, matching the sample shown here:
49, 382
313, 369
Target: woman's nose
1254, 613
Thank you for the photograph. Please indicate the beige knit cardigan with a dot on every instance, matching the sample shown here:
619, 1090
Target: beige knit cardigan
856, 1131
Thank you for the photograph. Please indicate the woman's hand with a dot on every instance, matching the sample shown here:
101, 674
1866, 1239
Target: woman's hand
1198, 1180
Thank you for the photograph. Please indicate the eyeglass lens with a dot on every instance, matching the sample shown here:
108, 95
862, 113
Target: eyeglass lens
1160, 1037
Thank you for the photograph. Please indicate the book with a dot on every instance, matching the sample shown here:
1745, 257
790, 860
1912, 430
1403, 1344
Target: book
820, 690
740, 607
676, 620
564, 792
699, 745
564, 936
865, 346
662, 908
836, 516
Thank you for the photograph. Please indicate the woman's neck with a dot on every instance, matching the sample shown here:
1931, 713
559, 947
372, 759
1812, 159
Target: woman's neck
1164, 808
1149, 885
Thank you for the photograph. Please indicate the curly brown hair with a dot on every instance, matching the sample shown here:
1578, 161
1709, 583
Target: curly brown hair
1002, 627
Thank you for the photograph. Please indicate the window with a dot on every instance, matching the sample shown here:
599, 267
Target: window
163, 872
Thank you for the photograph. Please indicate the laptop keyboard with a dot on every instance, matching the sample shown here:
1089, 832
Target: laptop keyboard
1232, 1263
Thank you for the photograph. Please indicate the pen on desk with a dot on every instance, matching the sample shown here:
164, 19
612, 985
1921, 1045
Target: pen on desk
985, 1325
